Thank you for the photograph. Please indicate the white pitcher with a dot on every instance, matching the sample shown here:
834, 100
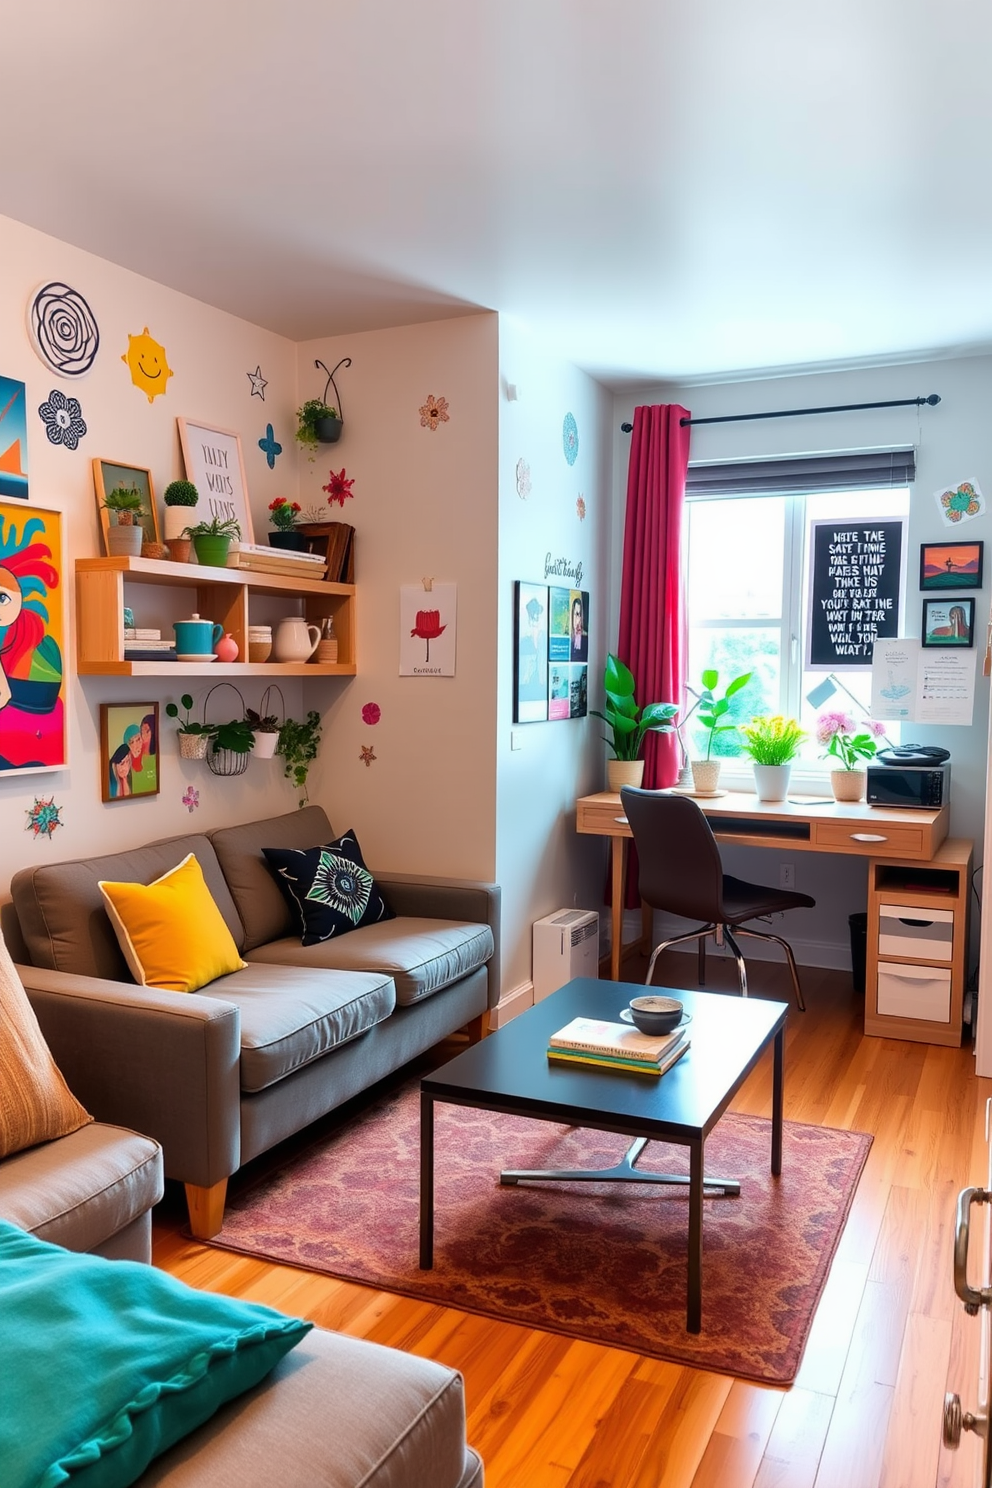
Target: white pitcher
294, 640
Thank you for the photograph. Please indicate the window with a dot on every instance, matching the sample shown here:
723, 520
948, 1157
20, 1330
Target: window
747, 601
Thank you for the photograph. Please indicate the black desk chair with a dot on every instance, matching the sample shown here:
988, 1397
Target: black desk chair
681, 872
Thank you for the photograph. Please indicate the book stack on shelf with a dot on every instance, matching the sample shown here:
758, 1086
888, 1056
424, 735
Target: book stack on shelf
147, 645
276, 560
615, 1046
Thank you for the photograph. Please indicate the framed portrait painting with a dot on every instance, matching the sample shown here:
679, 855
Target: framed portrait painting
951, 565
107, 476
948, 622
129, 758
33, 735
215, 465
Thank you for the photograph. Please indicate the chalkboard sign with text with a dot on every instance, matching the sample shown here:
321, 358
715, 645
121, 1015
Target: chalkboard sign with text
854, 591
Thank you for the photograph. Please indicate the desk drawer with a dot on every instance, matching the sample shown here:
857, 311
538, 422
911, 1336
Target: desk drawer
913, 932
914, 992
600, 817
870, 839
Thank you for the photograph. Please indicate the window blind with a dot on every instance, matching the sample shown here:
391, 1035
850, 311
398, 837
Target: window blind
791, 477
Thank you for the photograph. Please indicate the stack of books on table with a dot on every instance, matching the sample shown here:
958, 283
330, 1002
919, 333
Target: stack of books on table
276, 560
616, 1046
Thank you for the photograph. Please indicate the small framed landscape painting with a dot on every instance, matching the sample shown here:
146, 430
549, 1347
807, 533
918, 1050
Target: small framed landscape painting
129, 764
951, 565
948, 622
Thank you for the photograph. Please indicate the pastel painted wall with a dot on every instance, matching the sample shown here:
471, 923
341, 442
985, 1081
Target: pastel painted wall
953, 443
542, 865
210, 353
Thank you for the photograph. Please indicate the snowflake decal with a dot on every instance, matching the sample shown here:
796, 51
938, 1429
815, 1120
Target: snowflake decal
63, 419
191, 799
580, 508
43, 817
523, 479
371, 713
570, 438
433, 411
343, 885
367, 754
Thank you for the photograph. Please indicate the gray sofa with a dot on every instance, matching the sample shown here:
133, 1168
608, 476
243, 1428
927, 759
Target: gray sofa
221, 1075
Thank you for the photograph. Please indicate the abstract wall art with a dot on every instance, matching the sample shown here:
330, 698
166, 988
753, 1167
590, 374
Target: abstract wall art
32, 683
13, 440
63, 329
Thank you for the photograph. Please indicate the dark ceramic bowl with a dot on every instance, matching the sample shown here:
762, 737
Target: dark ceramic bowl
652, 1014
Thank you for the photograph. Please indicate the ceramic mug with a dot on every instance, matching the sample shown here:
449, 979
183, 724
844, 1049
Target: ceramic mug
196, 638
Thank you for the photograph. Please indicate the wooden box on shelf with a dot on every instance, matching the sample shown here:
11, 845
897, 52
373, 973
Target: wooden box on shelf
222, 594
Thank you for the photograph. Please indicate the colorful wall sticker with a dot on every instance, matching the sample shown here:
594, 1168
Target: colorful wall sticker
258, 384
570, 438
580, 508
371, 713
63, 419
270, 447
338, 488
13, 439
523, 480
191, 799
960, 503
433, 411
43, 818
63, 329
32, 699
148, 364
367, 754
427, 629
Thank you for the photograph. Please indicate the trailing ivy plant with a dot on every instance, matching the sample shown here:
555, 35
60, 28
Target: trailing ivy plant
298, 745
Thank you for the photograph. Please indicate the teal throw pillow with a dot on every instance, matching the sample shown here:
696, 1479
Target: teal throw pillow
108, 1363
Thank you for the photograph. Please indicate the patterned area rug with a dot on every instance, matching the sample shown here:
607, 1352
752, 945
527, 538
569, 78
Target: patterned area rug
596, 1261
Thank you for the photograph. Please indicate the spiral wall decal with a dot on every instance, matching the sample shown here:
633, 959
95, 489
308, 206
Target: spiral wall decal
63, 329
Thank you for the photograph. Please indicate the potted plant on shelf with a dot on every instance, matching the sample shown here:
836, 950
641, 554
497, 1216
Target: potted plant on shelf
194, 738
179, 496
773, 744
231, 748
298, 745
266, 730
711, 710
284, 515
211, 540
125, 533
628, 724
316, 423
851, 745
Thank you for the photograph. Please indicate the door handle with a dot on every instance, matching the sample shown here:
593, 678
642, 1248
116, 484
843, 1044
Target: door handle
972, 1297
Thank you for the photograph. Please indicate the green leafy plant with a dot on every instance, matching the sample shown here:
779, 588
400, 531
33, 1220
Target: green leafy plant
772, 741
260, 723
238, 736
181, 493
188, 725
298, 745
711, 709
307, 418
284, 514
627, 722
127, 502
216, 527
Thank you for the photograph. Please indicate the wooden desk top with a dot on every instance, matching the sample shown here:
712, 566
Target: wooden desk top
803, 824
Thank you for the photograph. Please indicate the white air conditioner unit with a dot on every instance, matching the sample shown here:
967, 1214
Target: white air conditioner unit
566, 945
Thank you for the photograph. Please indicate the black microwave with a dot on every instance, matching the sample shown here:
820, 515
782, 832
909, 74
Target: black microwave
897, 785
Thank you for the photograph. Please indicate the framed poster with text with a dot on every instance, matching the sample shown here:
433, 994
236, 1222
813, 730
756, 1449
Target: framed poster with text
215, 465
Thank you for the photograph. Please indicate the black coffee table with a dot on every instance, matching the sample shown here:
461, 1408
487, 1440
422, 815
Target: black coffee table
509, 1071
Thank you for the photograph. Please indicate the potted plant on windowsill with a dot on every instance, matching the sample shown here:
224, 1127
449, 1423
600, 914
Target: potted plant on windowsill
125, 533
628, 724
711, 710
211, 540
773, 744
283, 515
851, 746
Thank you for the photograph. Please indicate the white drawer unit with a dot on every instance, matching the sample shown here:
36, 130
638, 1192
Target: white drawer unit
915, 932
914, 992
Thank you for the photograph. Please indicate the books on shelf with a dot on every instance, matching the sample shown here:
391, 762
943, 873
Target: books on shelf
149, 642
133, 633
146, 651
615, 1062
278, 561
595, 1036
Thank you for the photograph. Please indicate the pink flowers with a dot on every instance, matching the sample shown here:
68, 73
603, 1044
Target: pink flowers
845, 740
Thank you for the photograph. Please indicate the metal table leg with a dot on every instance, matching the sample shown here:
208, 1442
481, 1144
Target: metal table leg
694, 1295
426, 1182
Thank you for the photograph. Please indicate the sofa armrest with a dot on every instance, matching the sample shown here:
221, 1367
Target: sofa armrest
162, 1063
448, 899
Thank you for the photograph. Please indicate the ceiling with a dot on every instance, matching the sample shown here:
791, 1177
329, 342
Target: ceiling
662, 190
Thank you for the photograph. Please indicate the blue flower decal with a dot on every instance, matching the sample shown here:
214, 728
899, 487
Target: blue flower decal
269, 446
63, 419
570, 438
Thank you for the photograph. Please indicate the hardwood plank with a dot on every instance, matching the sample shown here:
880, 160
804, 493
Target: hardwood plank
792, 1456
734, 1451
913, 1441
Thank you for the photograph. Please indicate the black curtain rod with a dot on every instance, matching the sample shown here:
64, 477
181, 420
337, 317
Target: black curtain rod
737, 418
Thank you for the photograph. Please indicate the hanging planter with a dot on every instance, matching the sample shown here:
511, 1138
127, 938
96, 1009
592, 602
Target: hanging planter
231, 743
320, 422
266, 725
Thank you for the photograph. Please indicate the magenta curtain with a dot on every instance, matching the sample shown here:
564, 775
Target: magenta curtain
652, 621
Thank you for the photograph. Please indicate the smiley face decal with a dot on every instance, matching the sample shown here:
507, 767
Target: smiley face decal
150, 371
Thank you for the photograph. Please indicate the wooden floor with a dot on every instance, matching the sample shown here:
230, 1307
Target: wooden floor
888, 1339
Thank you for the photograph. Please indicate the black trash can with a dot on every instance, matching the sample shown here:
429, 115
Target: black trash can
858, 924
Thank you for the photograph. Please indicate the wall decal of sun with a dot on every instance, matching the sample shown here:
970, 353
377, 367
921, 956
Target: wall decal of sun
149, 367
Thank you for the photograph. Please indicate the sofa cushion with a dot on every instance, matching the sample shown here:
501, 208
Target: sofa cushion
149, 1360
36, 1105
81, 1190
63, 916
420, 955
171, 932
329, 888
261, 904
292, 1015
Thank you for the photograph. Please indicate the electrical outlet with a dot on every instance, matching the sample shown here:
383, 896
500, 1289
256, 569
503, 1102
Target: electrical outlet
787, 876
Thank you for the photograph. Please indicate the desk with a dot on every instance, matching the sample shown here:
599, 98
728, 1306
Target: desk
883, 835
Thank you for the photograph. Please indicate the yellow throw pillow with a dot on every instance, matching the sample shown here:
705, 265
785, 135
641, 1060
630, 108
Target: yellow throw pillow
171, 932
36, 1105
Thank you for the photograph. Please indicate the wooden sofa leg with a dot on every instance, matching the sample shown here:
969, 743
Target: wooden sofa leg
206, 1208
477, 1028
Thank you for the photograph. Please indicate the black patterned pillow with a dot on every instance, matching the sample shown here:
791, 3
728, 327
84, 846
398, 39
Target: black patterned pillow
329, 888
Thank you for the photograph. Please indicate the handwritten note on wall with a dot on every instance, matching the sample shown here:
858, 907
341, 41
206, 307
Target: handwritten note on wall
855, 591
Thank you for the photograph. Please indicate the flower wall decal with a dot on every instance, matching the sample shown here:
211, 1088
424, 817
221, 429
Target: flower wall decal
338, 488
64, 330
580, 508
570, 438
428, 627
63, 419
191, 799
523, 480
367, 754
961, 503
270, 447
371, 714
433, 411
44, 818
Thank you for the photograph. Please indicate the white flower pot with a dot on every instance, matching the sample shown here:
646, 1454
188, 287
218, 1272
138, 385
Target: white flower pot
265, 745
706, 776
177, 518
771, 782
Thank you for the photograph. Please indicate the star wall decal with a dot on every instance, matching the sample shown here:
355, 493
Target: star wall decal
270, 447
368, 754
258, 383
43, 817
